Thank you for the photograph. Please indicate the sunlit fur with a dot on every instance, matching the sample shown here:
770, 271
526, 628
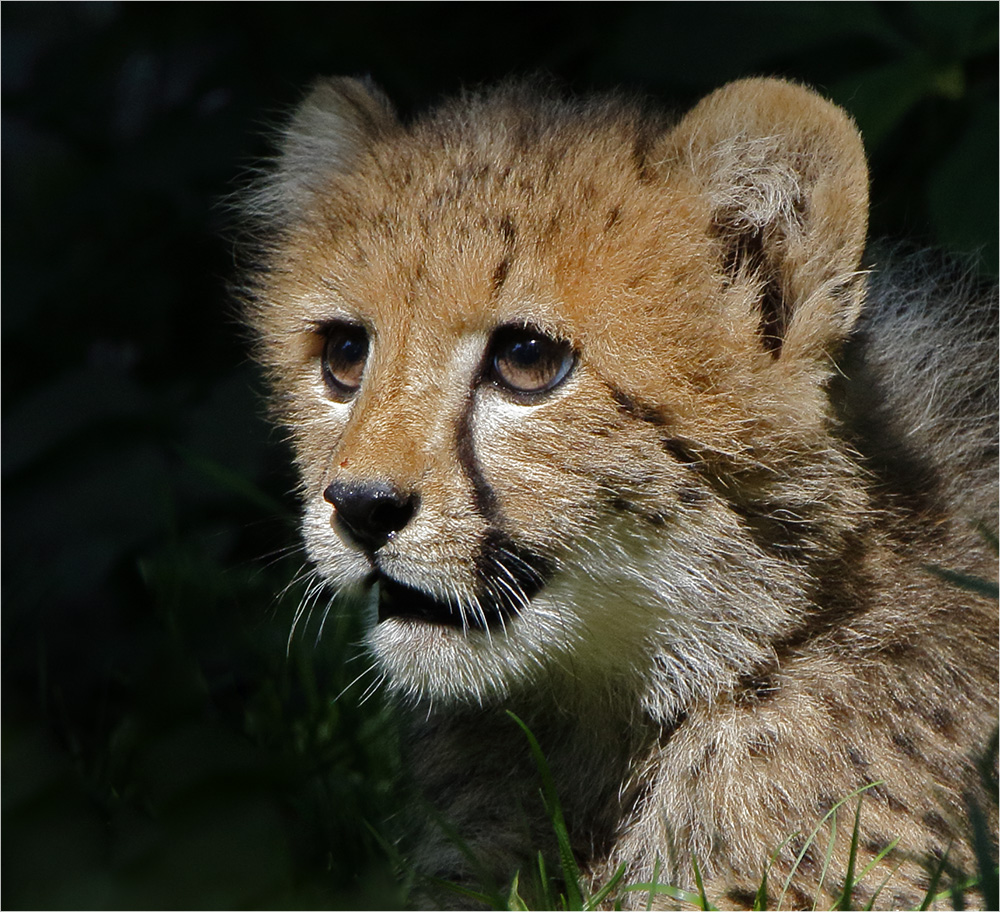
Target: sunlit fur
730, 503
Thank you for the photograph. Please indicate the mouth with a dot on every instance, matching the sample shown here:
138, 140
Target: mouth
509, 576
396, 600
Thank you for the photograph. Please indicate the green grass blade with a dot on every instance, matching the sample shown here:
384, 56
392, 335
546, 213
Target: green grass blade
514, 901
571, 873
760, 899
846, 898
548, 900
703, 899
605, 891
935, 880
982, 844
483, 899
877, 859
656, 880
955, 893
957, 896
685, 896
881, 887
405, 872
966, 581
829, 856
857, 793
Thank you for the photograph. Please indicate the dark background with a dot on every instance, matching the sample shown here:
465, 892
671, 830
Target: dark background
161, 745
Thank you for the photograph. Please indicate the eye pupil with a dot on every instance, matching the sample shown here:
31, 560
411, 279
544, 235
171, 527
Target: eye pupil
351, 350
526, 361
526, 353
344, 355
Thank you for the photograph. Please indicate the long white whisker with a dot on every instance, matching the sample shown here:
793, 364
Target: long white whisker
326, 613
367, 671
372, 689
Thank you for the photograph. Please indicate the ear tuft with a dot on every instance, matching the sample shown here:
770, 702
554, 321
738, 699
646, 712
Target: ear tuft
329, 133
784, 177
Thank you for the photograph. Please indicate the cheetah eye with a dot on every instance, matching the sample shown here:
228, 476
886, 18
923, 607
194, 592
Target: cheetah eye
345, 352
526, 361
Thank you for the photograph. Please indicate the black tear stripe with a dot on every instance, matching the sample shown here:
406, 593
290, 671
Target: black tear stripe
483, 496
509, 576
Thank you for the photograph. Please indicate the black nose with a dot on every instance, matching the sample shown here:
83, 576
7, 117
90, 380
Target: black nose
370, 511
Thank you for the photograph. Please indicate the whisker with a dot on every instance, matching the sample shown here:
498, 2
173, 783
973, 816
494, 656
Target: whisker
326, 613
372, 688
367, 671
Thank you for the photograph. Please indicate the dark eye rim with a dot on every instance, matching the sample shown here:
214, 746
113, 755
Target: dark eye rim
508, 332
327, 332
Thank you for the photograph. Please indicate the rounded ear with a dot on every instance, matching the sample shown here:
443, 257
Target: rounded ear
328, 134
784, 177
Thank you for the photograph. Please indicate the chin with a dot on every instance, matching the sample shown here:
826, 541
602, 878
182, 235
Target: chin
430, 662
445, 661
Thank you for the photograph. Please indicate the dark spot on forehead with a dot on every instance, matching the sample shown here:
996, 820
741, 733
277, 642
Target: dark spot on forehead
500, 274
508, 230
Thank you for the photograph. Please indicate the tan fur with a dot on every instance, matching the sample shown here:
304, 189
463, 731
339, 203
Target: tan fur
735, 627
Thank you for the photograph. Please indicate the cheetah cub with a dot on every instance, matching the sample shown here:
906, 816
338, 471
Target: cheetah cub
604, 419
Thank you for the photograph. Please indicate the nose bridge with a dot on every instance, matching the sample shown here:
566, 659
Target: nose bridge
397, 432
386, 439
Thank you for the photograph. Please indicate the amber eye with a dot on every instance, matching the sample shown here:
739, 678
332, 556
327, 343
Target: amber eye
344, 354
527, 361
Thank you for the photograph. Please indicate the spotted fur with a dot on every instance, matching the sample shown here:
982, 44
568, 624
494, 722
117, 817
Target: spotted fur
696, 566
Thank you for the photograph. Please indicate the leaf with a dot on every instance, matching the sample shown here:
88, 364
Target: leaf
880, 98
962, 191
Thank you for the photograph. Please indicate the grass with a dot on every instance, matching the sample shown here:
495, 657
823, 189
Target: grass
569, 890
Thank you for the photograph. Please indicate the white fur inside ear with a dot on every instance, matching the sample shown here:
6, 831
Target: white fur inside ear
328, 134
783, 172
753, 187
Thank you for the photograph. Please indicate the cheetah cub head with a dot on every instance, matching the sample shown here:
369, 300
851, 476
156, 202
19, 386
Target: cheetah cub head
554, 373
